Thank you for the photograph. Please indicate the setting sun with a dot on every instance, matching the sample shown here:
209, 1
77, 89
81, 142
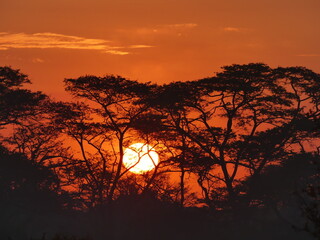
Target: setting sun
140, 158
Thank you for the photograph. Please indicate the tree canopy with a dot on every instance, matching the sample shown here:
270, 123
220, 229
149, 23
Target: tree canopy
231, 133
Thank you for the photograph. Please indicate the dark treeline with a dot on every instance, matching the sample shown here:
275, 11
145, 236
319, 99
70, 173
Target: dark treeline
243, 147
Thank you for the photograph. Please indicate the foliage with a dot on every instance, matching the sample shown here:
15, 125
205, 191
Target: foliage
102, 126
16, 103
243, 135
242, 119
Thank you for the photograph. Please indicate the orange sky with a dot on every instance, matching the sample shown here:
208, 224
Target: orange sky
154, 40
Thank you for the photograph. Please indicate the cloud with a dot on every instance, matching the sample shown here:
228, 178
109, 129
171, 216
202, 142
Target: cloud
308, 55
140, 46
231, 29
116, 52
165, 29
180, 26
37, 60
49, 40
235, 29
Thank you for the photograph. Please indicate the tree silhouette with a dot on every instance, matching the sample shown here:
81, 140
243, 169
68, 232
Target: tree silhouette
309, 197
28, 193
245, 136
29, 189
16, 103
38, 138
102, 128
242, 119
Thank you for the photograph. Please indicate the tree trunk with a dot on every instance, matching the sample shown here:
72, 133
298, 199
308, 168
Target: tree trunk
117, 176
182, 186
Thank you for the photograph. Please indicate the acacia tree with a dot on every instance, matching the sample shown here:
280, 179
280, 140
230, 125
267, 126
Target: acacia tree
28, 115
244, 118
174, 150
16, 103
102, 127
28, 188
40, 142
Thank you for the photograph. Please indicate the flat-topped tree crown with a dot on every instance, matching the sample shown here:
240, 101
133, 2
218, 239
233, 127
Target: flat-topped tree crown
107, 89
239, 110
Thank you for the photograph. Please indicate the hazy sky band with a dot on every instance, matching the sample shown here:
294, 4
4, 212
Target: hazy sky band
159, 41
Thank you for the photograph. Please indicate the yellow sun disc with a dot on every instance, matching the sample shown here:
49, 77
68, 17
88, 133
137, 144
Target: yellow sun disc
140, 158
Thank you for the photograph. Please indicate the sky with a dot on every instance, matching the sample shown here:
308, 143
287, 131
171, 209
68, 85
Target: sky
153, 40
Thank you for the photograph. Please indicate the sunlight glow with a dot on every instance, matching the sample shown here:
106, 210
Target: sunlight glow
140, 158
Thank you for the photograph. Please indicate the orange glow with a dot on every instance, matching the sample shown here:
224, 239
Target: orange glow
140, 158
157, 41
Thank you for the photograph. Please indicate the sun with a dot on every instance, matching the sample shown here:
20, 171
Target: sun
140, 158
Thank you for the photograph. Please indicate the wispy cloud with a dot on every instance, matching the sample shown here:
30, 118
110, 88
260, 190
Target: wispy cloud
37, 60
235, 29
308, 55
164, 29
180, 26
140, 46
54, 40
